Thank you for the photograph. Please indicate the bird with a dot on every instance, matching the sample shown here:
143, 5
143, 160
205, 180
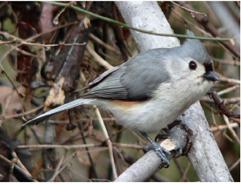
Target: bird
149, 91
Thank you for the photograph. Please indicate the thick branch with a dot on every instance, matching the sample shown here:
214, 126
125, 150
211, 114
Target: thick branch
150, 162
205, 155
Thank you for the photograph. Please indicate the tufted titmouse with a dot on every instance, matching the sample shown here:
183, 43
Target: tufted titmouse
150, 90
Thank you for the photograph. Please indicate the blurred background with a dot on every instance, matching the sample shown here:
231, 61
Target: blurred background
49, 53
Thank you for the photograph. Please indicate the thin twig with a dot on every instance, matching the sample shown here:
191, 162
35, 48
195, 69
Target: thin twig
234, 165
227, 62
226, 120
125, 26
219, 103
229, 80
81, 146
180, 169
184, 176
24, 42
109, 143
203, 21
133, 146
10, 163
105, 45
226, 101
67, 161
98, 58
48, 146
20, 164
18, 45
188, 9
224, 127
228, 90
93, 170
56, 172
21, 114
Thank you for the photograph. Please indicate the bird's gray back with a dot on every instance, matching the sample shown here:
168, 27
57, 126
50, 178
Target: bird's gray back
134, 80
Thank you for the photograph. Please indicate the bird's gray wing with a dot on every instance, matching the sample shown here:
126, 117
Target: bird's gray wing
134, 80
102, 76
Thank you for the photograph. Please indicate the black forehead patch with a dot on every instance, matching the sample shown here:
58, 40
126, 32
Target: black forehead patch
208, 66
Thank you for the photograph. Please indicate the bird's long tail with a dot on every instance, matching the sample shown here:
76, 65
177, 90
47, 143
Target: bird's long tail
70, 105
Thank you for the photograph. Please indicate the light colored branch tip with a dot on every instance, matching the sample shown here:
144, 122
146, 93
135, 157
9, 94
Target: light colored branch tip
146, 166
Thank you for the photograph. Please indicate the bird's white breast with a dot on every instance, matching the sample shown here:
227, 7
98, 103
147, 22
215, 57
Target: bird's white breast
169, 101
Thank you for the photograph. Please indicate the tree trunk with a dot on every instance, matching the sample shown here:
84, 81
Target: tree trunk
205, 154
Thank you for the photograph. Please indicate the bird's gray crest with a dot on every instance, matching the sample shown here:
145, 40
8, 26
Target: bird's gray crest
195, 49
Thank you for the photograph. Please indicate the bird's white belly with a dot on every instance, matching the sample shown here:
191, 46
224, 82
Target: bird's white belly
147, 117
157, 113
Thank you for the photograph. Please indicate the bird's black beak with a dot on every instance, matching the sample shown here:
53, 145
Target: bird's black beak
211, 76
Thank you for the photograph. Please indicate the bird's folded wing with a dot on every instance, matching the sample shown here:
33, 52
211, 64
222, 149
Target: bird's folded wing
134, 80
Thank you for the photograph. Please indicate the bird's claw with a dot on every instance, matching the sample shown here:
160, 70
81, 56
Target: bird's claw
161, 152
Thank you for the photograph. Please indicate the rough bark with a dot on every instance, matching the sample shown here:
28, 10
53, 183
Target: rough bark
205, 154
149, 163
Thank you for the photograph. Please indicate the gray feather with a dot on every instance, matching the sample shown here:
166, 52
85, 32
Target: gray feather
140, 76
61, 108
194, 48
133, 79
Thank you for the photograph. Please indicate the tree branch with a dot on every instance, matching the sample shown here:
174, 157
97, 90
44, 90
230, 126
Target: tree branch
205, 154
150, 162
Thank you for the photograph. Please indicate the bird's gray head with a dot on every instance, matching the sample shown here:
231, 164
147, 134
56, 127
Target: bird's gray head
191, 60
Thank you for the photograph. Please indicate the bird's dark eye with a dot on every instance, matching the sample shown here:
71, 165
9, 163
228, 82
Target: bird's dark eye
192, 65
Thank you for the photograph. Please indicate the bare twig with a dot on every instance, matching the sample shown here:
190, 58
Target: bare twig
219, 103
203, 21
229, 80
228, 90
234, 165
189, 9
123, 25
228, 21
98, 58
224, 127
105, 45
64, 164
109, 143
184, 176
226, 120
26, 175
20, 164
180, 169
227, 62
226, 101
18, 45
57, 169
24, 42
47, 146
22, 114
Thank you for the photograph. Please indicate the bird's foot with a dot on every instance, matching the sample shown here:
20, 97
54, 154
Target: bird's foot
189, 135
161, 152
165, 132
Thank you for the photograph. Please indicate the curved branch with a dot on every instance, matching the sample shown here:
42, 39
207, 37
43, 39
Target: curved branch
150, 162
205, 154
